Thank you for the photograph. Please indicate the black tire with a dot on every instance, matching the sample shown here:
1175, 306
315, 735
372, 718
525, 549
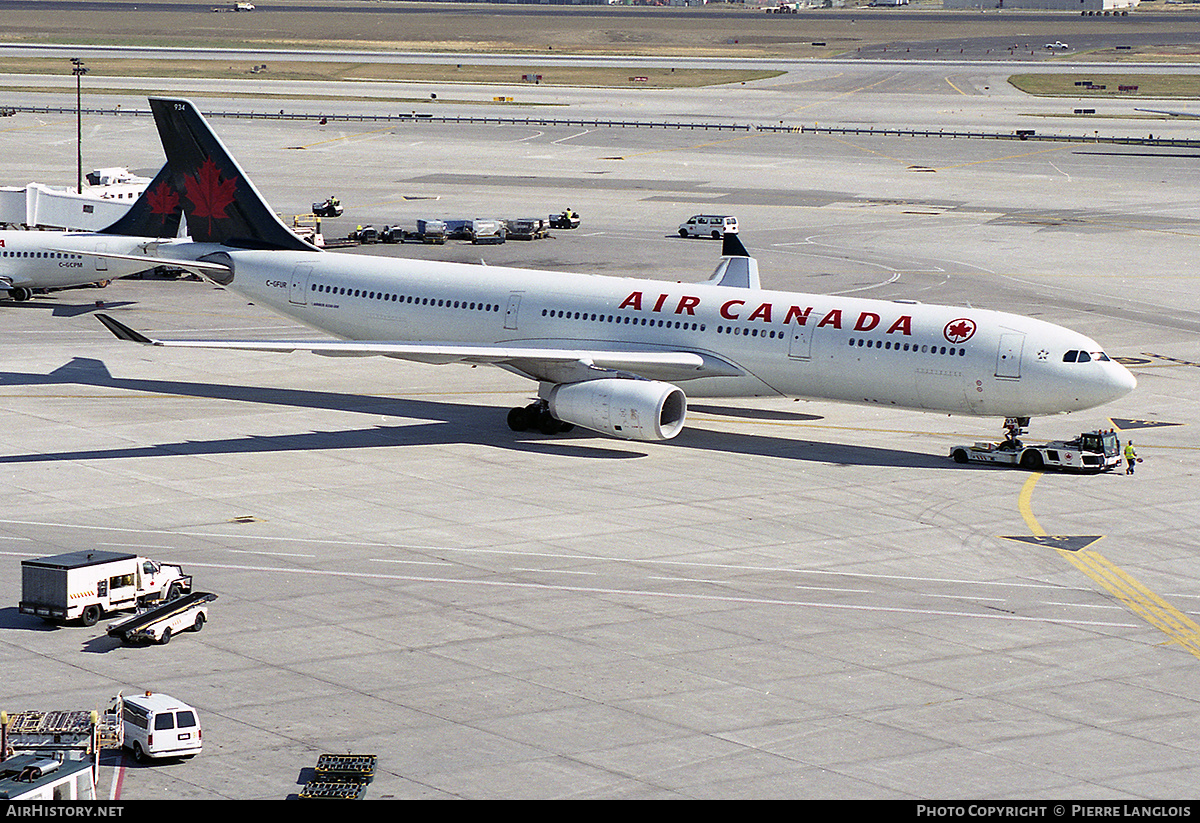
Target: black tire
20, 294
547, 424
138, 754
199, 624
518, 420
166, 637
716, 235
960, 456
91, 615
1032, 460
683, 233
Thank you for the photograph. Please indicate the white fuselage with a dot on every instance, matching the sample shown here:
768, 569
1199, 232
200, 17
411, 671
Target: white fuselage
57, 259
892, 353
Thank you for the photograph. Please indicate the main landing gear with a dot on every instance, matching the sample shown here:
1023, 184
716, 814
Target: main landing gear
537, 416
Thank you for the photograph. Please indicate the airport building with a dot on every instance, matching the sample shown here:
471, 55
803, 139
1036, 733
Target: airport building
1082, 6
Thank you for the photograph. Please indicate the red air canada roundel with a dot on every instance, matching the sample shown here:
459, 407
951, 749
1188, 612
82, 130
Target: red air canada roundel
959, 331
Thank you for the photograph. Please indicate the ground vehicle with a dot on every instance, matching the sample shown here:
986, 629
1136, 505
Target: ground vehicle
1097, 451
158, 725
486, 231
566, 219
526, 228
159, 624
332, 207
85, 584
427, 231
53, 755
365, 234
35, 777
708, 225
430, 231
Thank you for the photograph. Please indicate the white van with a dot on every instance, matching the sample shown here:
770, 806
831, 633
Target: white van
708, 225
158, 725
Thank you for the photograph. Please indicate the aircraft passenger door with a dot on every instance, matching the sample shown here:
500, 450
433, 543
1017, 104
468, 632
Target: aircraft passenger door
800, 344
510, 312
101, 262
1008, 358
299, 292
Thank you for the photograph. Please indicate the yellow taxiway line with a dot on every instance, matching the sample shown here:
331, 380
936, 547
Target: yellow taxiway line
1137, 598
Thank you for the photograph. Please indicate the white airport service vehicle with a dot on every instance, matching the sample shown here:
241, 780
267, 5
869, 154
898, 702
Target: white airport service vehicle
83, 585
160, 623
37, 777
53, 755
715, 226
1097, 451
157, 726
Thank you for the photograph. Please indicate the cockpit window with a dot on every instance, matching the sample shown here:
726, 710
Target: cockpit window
1076, 356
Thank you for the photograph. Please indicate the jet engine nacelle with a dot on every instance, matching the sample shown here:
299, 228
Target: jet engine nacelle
630, 409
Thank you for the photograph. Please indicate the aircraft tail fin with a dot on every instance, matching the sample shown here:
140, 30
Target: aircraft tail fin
155, 213
221, 204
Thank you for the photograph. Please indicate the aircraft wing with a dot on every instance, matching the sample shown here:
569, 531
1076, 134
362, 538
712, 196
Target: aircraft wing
550, 363
199, 267
1172, 113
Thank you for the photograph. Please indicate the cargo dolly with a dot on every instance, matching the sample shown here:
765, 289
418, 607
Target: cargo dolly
340, 777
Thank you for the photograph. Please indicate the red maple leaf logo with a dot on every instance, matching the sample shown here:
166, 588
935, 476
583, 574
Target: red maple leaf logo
959, 331
163, 200
209, 192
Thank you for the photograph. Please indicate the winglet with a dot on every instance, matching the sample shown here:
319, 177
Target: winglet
737, 268
123, 332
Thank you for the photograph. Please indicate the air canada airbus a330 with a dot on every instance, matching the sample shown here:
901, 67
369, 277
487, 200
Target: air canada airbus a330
60, 259
616, 355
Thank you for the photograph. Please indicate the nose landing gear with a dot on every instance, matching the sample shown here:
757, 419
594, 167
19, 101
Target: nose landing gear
1014, 427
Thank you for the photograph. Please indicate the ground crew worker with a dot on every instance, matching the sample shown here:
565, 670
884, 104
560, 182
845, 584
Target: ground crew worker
1130, 457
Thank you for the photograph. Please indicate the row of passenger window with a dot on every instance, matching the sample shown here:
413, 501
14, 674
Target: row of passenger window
895, 345
389, 297
624, 319
752, 331
43, 255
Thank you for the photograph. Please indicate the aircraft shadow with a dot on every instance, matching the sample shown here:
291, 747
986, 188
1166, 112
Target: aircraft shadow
66, 310
753, 414
447, 423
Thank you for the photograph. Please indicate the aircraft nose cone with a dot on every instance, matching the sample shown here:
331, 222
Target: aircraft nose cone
1113, 383
1122, 379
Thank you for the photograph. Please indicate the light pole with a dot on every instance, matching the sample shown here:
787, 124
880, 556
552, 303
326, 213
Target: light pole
79, 70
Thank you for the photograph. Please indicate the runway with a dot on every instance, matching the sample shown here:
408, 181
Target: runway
790, 600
